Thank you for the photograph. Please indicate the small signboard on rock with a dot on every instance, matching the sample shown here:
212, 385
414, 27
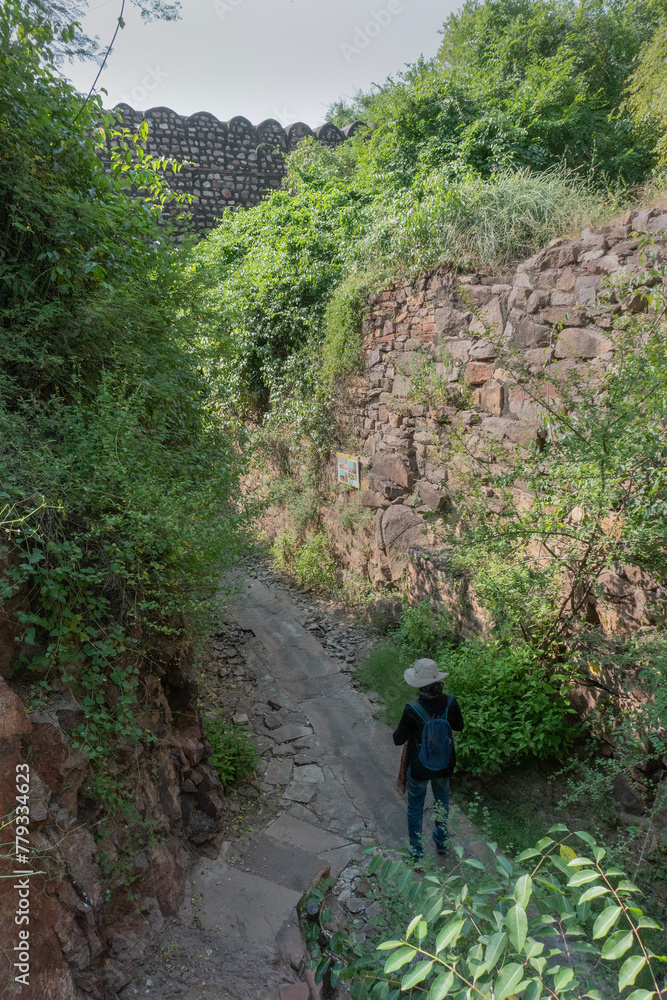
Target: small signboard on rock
348, 470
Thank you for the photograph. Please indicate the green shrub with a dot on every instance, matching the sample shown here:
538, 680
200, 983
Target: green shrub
343, 335
118, 474
283, 550
424, 629
512, 707
381, 669
560, 920
234, 754
314, 563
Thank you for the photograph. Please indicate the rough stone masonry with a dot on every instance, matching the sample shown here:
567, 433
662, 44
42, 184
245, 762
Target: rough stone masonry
230, 164
556, 312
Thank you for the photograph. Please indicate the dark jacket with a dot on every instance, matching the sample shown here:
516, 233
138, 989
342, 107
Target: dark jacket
410, 729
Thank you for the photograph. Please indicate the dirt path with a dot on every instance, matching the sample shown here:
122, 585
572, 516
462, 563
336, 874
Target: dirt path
330, 768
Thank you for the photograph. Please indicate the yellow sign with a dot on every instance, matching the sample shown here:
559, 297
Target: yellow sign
348, 470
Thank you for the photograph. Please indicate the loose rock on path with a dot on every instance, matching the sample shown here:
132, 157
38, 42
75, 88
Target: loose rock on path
328, 772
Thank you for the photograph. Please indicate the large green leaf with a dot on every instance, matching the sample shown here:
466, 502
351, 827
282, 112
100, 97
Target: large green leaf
523, 890
581, 878
415, 975
449, 934
495, 948
562, 978
510, 977
630, 970
411, 926
533, 991
592, 893
606, 920
442, 986
517, 925
617, 945
398, 959
641, 995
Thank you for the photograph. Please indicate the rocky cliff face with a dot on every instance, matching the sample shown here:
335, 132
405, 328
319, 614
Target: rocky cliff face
555, 311
108, 881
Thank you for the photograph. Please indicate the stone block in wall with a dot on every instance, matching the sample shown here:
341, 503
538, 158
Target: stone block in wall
587, 286
524, 332
482, 351
401, 528
505, 428
558, 257
658, 224
474, 296
581, 342
393, 467
371, 499
491, 319
560, 314
402, 386
431, 496
478, 372
448, 319
538, 356
523, 405
409, 362
455, 348
494, 397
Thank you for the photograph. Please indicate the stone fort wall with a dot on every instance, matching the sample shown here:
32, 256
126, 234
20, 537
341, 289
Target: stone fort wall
228, 164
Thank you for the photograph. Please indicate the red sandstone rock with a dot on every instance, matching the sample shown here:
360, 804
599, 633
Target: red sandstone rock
578, 342
477, 372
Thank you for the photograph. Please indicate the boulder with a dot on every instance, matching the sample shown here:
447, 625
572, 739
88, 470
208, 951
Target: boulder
402, 528
581, 342
525, 333
493, 397
627, 796
658, 224
447, 319
434, 498
393, 467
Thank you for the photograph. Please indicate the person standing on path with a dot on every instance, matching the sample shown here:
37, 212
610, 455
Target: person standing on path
432, 703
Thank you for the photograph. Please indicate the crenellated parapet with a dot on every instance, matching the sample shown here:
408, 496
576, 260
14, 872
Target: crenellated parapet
230, 164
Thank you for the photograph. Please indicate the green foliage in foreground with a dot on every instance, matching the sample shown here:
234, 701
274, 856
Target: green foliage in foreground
234, 754
560, 921
118, 475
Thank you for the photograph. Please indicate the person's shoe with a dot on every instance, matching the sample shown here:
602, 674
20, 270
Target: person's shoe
440, 850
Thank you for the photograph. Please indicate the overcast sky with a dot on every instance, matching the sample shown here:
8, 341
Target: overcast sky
284, 59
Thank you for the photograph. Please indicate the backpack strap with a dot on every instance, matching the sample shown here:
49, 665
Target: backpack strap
420, 711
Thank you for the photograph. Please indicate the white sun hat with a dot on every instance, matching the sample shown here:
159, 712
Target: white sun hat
422, 673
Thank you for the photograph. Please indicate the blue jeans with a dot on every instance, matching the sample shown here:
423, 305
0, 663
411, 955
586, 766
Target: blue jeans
416, 796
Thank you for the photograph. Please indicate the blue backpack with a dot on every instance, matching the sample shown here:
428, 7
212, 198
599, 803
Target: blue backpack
437, 741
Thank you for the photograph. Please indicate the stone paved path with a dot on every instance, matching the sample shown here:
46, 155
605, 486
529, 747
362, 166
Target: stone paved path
335, 775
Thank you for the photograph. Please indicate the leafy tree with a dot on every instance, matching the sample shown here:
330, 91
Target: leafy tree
515, 83
648, 90
117, 473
